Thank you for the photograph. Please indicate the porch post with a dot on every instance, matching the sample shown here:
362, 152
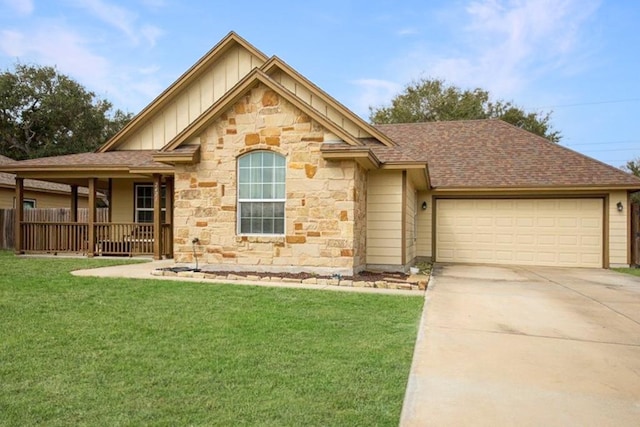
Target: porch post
109, 200
169, 216
74, 203
92, 217
157, 219
19, 215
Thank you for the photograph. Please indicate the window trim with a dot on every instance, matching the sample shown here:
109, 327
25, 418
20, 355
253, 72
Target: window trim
239, 200
25, 200
135, 201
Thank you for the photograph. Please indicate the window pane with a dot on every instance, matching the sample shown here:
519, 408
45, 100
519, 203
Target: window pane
145, 216
244, 191
267, 191
256, 191
244, 161
267, 226
278, 226
278, 210
267, 211
279, 175
256, 225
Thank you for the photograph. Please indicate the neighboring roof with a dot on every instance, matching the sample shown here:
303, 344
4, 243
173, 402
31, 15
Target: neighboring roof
495, 154
9, 180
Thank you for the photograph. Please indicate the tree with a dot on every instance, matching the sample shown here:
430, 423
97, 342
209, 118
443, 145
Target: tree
633, 166
432, 100
45, 113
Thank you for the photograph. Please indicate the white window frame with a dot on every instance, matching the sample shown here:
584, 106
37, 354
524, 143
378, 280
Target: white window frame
243, 200
137, 209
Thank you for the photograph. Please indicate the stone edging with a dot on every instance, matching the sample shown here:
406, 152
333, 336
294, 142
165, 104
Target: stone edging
415, 284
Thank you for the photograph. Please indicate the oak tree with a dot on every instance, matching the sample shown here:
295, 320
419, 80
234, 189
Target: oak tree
45, 113
429, 100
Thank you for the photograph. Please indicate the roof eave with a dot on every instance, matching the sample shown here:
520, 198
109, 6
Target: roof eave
178, 157
363, 156
539, 188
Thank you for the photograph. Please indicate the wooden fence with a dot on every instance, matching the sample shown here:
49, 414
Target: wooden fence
55, 215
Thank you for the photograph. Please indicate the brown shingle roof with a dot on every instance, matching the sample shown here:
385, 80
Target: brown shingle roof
494, 154
9, 180
93, 161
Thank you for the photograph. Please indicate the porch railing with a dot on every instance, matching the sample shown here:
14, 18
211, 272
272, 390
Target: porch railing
57, 237
120, 239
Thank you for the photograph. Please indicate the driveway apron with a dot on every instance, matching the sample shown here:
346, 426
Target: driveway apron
526, 346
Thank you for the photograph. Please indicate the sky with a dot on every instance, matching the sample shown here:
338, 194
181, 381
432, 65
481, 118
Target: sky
579, 59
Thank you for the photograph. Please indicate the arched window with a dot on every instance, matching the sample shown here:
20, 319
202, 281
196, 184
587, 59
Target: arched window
261, 193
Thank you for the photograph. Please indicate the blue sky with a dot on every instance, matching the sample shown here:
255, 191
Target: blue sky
579, 58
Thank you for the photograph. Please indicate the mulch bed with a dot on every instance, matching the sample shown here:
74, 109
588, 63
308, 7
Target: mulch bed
368, 276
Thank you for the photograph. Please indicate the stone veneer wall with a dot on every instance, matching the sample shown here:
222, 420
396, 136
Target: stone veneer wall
323, 198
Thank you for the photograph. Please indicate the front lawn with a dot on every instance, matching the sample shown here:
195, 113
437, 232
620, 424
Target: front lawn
632, 271
86, 351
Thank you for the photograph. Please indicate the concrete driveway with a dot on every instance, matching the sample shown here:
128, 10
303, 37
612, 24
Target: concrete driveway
526, 346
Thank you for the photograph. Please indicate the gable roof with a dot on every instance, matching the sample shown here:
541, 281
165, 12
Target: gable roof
251, 80
171, 93
495, 154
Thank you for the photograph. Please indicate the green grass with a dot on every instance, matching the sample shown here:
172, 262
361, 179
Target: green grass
86, 351
632, 271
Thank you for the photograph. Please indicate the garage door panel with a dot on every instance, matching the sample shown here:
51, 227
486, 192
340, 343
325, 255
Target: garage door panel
559, 232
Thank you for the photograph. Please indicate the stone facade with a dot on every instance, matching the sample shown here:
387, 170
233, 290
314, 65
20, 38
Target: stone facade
324, 200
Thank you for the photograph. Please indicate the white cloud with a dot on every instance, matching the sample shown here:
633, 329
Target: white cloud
503, 45
373, 92
409, 31
56, 45
22, 7
122, 19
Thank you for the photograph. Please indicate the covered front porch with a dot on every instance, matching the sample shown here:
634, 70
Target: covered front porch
138, 219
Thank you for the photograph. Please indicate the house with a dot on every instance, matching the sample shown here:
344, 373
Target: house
251, 166
37, 194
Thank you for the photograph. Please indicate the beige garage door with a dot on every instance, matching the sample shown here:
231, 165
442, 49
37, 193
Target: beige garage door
554, 232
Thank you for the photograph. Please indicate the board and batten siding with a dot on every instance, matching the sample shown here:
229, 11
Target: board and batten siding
424, 247
411, 231
384, 218
193, 100
618, 230
321, 106
122, 200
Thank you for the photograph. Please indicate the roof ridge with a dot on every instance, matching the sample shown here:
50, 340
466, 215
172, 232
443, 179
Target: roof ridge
433, 122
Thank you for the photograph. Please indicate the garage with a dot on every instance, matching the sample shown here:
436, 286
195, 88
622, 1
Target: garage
546, 232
